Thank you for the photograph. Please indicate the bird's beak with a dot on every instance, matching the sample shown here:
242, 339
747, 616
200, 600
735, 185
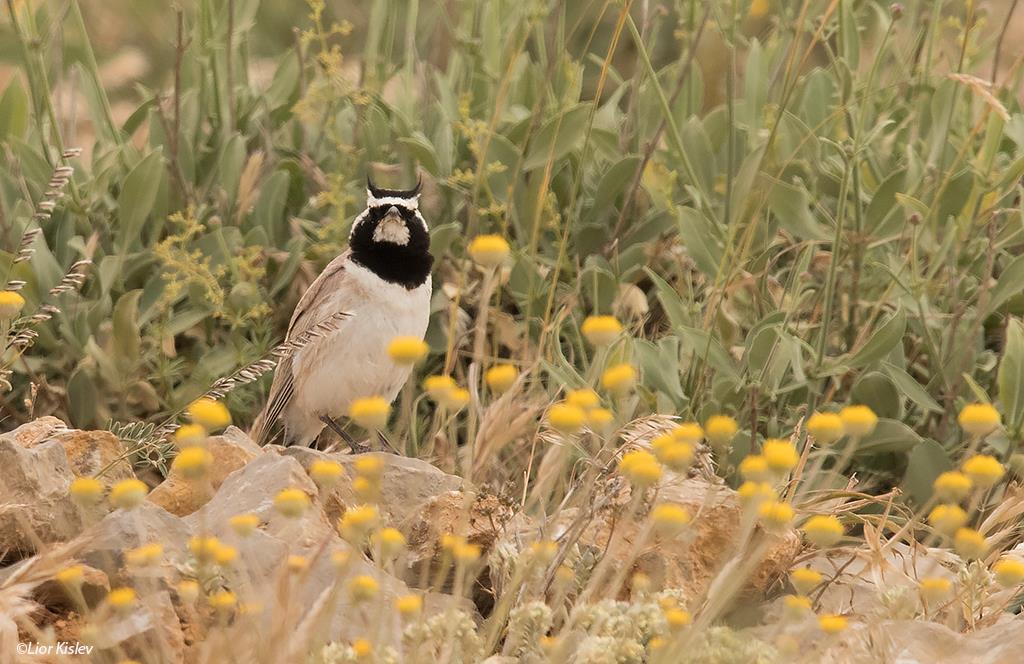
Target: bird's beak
392, 228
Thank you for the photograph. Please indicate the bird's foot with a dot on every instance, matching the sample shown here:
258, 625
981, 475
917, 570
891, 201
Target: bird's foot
332, 424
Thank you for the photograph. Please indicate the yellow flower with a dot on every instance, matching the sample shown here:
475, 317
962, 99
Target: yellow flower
297, 564
952, 485
640, 583
188, 590
825, 428
326, 473
805, 579
543, 552
465, 553
677, 619
1009, 572
759, 8
209, 413
11, 304
640, 468
600, 419
979, 419
796, 606
601, 330
753, 494
619, 379
501, 377
363, 588
358, 521
340, 559
225, 555
832, 624
409, 606
754, 468
86, 490
655, 644
407, 350
566, 419
780, 455
188, 435
669, 519
584, 398
128, 494
947, 518
823, 530
970, 544
223, 600
371, 467
678, 456
934, 588
121, 599
984, 470
146, 555
858, 421
71, 576
489, 250
370, 412
720, 430
439, 388
291, 502
775, 515
366, 490
362, 648
688, 432
204, 548
193, 462
244, 524
390, 541
457, 399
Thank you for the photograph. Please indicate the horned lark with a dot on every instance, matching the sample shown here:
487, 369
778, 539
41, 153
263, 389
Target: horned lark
382, 281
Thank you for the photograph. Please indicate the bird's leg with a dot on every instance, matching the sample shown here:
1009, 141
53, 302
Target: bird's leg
357, 448
386, 444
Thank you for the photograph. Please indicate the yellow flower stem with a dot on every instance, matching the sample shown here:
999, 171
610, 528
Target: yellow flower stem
487, 289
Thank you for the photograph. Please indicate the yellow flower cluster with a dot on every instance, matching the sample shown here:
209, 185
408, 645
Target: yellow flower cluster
445, 392
641, 468
370, 412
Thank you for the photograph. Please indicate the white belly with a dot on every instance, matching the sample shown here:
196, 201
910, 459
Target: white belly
353, 362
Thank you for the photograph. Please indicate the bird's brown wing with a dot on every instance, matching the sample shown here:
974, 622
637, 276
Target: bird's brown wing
307, 314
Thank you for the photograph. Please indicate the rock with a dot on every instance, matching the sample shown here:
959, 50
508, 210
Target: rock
36, 431
231, 451
690, 561
88, 452
95, 586
35, 506
150, 632
103, 545
406, 484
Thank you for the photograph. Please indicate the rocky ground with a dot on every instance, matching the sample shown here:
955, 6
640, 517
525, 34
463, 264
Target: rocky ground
42, 529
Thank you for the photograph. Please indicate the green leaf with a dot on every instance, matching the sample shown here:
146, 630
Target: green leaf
82, 391
1010, 283
849, 39
13, 110
1011, 376
558, 137
889, 436
127, 337
699, 236
791, 206
926, 462
613, 184
877, 391
881, 342
910, 388
138, 194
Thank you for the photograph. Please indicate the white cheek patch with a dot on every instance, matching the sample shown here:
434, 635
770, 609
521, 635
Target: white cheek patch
391, 230
409, 203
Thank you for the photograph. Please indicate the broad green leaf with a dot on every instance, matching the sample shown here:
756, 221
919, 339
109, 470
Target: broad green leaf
127, 336
926, 462
13, 110
1011, 376
849, 39
791, 206
699, 236
878, 391
910, 388
558, 137
138, 194
82, 393
1009, 284
613, 183
883, 340
889, 436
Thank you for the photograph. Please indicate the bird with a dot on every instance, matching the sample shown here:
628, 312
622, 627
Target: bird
377, 289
